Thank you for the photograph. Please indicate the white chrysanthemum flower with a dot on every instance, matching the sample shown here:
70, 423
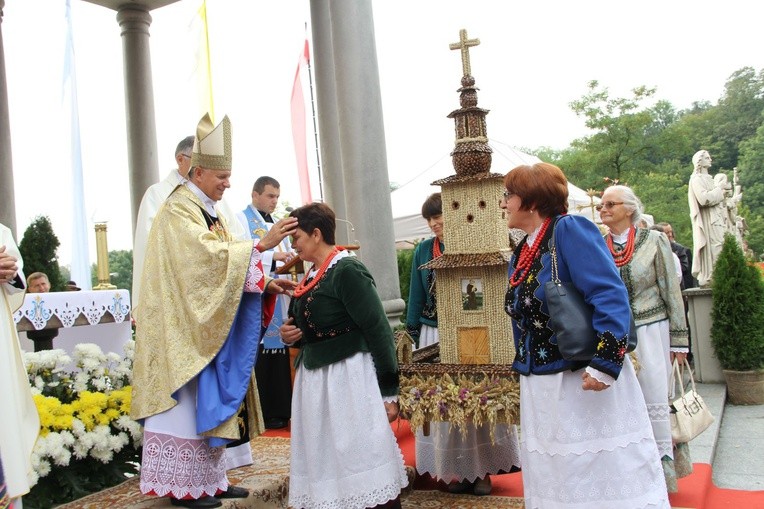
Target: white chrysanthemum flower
118, 441
100, 383
62, 457
45, 359
67, 438
129, 348
39, 383
124, 422
104, 456
44, 468
80, 450
34, 458
81, 380
78, 427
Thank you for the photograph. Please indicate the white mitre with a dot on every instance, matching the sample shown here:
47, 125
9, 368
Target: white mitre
212, 145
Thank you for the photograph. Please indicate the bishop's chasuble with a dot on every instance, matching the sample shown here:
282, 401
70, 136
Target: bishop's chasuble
197, 335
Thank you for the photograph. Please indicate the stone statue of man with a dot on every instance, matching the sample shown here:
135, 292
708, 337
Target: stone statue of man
708, 213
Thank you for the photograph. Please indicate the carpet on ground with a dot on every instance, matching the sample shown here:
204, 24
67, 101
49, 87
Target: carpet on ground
268, 479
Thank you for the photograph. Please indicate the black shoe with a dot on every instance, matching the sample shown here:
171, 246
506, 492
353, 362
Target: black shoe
276, 423
233, 492
199, 503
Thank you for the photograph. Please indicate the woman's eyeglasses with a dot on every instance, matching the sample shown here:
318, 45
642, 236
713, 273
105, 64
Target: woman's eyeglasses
607, 205
508, 195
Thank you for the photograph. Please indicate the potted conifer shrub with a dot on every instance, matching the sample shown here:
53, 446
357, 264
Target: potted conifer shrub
737, 333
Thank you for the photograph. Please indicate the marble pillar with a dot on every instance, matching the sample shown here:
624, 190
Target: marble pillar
7, 195
353, 137
142, 158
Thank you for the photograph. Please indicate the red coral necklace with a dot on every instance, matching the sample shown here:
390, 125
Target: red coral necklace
436, 251
624, 256
303, 287
527, 255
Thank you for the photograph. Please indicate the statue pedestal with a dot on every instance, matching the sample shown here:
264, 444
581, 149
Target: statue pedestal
707, 368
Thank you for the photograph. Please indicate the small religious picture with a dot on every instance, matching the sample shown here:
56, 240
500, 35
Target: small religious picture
472, 294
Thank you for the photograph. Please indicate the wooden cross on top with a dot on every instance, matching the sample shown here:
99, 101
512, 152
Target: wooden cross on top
464, 45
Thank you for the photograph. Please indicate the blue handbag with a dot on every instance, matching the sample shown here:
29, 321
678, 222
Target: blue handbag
570, 317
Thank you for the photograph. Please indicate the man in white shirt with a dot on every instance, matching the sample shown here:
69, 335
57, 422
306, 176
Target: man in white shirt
153, 199
272, 370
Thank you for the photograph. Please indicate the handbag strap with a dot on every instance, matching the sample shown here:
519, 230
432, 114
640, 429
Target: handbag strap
553, 253
678, 370
678, 377
689, 370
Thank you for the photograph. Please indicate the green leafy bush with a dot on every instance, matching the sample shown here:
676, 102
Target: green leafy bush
737, 332
405, 259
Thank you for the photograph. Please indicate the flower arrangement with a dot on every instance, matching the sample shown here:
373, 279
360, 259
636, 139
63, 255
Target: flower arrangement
476, 398
87, 440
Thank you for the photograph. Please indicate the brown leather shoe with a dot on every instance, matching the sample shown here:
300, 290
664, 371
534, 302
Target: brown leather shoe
233, 492
482, 487
197, 503
459, 486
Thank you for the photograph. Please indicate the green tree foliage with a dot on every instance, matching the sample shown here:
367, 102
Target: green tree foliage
664, 195
751, 174
405, 259
650, 147
737, 332
38, 251
120, 268
624, 127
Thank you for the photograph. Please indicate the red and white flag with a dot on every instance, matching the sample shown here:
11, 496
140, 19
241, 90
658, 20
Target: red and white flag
299, 127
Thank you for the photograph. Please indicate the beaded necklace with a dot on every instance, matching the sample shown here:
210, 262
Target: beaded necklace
624, 256
527, 255
303, 287
436, 252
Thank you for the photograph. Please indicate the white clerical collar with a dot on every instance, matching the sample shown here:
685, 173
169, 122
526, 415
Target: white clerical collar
209, 204
179, 179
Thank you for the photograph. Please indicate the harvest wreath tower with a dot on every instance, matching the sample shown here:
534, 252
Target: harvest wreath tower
472, 380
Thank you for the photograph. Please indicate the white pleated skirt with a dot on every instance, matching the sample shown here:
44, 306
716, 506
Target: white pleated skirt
586, 449
343, 451
446, 455
654, 375
428, 336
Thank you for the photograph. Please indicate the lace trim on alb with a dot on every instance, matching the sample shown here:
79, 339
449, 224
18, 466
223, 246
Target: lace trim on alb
181, 467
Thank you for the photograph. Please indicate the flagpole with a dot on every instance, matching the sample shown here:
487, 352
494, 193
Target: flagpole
208, 63
80, 263
315, 126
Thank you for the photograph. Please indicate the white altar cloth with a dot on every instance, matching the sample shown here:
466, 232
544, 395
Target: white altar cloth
90, 308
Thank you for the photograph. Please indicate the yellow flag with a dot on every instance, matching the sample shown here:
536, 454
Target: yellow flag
202, 73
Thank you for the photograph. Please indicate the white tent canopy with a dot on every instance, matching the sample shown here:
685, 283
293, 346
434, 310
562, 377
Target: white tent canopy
408, 198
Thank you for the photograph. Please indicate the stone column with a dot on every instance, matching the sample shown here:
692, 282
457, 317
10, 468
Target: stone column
326, 93
7, 196
142, 159
352, 127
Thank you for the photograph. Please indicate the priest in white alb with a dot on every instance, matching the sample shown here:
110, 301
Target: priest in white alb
20, 423
197, 332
